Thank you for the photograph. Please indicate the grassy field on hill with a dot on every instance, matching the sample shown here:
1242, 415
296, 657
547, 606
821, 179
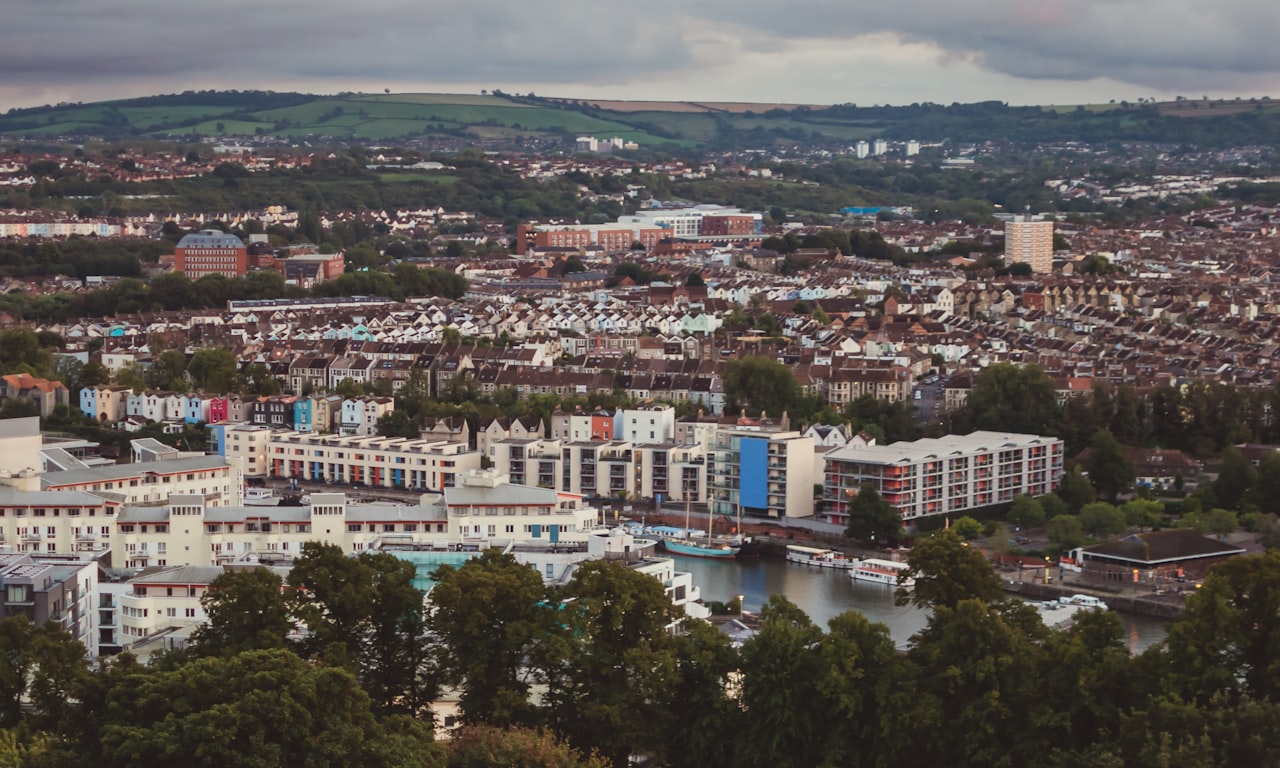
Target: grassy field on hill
500, 119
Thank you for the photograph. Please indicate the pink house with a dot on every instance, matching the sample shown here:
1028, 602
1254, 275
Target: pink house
217, 409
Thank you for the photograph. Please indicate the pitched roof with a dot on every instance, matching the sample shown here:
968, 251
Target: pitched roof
1157, 547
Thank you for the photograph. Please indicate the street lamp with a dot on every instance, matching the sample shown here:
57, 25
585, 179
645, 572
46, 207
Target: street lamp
740, 606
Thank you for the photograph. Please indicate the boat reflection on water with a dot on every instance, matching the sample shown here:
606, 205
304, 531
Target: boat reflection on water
824, 593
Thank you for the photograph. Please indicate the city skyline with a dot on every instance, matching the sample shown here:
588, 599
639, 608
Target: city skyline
1021, 53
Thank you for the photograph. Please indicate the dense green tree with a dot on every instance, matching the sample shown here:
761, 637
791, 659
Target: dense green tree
1235, 478
1102, 519
975, 692
614, 642
174, 291
761, 383
1076, 490
487, 746
1218, 521
246, 611
1065, 531
1089, 678
786, 722
20, 352
59, 672
693, 707
1010, 398
1109, 468
1053, 505
398, 423
16, 637
395, 664
259, 381
967, 528
1142, 513
128, 376
1266, 489
1227, 639
1026, 512
946, 571
871, 518
213, 369
488, 614
331, 594
260, 708
168, 371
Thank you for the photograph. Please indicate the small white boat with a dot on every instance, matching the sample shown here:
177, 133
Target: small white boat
1084, 601
260, 497
1056, 615
823, 558
882, 572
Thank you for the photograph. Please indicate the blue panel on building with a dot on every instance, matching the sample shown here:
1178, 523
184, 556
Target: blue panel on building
535, 531
753, 471
555, 533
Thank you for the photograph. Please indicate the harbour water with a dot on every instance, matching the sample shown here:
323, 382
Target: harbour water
824, 593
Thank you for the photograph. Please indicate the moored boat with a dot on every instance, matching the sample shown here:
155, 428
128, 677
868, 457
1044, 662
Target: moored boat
881, 572
822, 558
260, 497
1084, 601
698, 548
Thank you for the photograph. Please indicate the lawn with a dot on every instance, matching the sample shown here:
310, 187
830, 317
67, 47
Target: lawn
407, 177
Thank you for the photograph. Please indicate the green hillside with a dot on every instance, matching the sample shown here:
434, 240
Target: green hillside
499, 119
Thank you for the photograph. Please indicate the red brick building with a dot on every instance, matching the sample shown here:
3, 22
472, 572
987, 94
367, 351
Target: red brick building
728, 225
211, 252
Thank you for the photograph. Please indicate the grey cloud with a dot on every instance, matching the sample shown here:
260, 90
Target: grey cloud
1157, 43
74, 41
1162, 44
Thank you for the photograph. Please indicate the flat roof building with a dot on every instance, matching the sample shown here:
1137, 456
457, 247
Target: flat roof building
941, 476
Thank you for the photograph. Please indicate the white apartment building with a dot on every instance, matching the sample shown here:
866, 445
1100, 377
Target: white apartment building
484, 511
49, 522
613, 469
942, 476
162, 599
381, 462
645, 424
220, 481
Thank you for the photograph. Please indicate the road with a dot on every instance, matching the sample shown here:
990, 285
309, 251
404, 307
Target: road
929, 406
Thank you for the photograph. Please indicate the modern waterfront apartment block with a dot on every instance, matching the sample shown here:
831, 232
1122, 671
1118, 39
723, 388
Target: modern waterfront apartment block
943, 476
760, 472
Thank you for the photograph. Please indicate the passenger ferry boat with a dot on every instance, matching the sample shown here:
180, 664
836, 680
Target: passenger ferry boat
823, 558
881, 572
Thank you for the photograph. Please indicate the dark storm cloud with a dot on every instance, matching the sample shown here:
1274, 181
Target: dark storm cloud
1164, 44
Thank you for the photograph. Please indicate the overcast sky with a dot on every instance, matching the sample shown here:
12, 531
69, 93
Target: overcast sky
798, 51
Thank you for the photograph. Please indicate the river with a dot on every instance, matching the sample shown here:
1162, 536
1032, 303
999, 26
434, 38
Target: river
820, 592
823, 593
